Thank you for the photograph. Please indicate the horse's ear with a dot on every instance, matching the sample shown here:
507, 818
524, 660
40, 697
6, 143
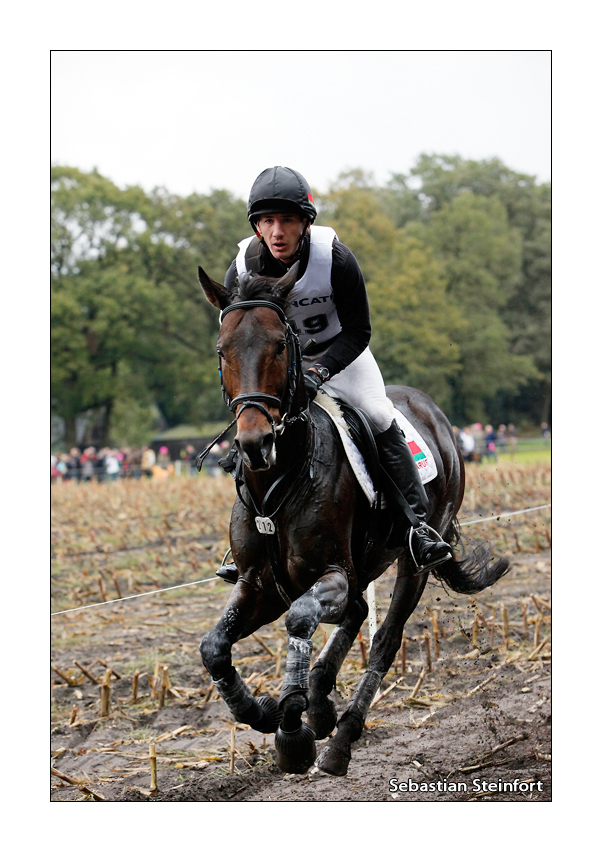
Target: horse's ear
288, 280
215, 293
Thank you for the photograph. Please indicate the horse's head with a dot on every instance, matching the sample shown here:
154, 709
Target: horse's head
258, 355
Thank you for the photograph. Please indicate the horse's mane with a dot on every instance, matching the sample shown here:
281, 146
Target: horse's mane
250, 287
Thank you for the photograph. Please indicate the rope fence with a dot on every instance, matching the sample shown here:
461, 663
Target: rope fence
212, 579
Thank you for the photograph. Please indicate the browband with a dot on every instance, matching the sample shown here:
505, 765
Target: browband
256, 303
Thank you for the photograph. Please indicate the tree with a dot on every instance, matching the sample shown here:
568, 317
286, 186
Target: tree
481, 256
412, 322
435, 183
129, 321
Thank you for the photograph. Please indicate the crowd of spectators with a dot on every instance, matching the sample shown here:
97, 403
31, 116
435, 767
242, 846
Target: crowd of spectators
479, 444
108, 464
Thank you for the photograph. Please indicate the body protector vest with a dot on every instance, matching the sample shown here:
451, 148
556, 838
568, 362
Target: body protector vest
311, 310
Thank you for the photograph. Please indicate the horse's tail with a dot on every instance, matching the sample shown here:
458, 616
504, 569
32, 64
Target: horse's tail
475, 571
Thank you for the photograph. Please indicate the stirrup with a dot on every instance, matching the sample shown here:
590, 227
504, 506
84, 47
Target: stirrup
228, 571
436, 537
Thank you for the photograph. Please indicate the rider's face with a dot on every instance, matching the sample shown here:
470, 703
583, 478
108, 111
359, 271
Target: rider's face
281, 232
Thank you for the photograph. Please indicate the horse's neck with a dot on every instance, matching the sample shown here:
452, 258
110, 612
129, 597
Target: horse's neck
292, 447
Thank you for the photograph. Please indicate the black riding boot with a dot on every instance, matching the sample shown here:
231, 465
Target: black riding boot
227, 570
426, 546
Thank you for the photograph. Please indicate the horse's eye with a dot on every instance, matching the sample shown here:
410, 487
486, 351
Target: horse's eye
281, 346
220, 352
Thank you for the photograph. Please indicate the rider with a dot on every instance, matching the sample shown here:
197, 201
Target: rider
329, 305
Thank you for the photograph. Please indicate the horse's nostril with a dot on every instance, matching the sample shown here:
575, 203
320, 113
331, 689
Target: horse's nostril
267, 446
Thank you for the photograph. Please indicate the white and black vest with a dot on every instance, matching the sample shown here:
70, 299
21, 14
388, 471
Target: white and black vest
311, 310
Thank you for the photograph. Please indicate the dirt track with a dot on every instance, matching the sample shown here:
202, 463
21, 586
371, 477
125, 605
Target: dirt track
486, 689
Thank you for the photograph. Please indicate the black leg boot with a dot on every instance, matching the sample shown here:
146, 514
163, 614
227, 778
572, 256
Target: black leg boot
404, 488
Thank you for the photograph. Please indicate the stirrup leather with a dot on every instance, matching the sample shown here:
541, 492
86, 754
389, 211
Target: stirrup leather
435, 537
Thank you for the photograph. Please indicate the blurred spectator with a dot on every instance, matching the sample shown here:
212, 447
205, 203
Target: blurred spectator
211, 464
512, 437
88, 461
134, 460
148, 461
189, 456
112, 466
73, 464
490, 443
480, 446
163, 460
99, 464
61, 465
502, 440
467, 443
545, 433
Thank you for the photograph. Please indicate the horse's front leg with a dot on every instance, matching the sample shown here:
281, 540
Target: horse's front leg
321, 713
325, 601
245, 612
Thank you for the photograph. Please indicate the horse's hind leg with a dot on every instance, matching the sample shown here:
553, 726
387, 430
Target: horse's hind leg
245, 612
335, 757
321, 713
326, 601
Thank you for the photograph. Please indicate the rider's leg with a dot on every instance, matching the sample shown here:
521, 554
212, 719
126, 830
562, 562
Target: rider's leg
361, 384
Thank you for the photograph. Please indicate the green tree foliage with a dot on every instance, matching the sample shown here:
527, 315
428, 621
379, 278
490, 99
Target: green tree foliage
456, 257
129, 321
413, 324
435, 184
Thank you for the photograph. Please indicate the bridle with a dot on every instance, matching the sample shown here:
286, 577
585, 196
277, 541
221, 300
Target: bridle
258, 399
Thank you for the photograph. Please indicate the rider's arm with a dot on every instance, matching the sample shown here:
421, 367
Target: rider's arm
351, 300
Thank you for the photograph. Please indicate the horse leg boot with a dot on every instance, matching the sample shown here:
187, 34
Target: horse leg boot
336, 755
402, 480
321, 713
241, 617
325, 601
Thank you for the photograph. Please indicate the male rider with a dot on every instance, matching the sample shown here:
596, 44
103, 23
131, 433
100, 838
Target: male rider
329, 305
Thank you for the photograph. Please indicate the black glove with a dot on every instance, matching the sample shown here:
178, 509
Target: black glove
313, 382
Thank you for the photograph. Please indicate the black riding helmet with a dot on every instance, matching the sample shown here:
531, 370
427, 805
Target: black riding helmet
280, 190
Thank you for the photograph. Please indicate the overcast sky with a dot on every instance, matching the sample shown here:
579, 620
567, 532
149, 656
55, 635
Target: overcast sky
195, 120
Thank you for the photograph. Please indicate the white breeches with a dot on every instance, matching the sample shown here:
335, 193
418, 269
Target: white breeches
361, 385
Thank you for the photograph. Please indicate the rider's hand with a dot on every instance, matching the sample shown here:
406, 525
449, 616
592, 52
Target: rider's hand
313, 382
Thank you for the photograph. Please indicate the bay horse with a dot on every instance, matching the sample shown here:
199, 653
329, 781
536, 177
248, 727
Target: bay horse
299, 530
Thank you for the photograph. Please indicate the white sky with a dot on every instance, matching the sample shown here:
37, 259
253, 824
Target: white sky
195, 120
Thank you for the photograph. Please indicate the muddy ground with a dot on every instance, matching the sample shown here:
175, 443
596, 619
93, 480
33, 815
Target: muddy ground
481, 713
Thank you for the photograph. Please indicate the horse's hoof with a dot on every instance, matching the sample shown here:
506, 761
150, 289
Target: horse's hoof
322, 718
334, 759
296, 751
271, 716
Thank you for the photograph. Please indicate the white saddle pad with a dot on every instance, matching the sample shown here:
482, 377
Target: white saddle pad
423, 457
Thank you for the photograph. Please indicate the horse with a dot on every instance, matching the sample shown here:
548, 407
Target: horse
300, 533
